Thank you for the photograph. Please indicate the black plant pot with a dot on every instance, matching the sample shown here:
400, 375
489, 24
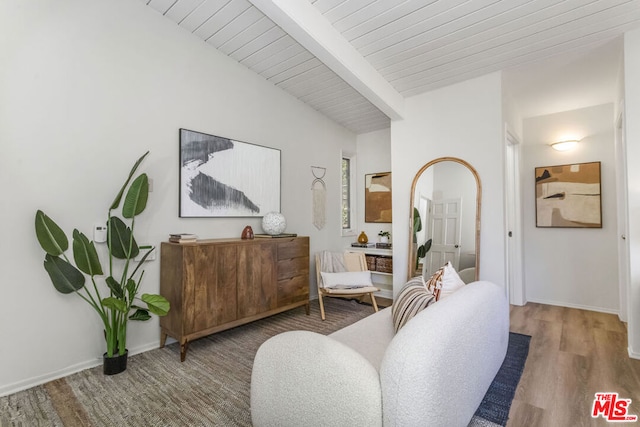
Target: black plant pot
114, 364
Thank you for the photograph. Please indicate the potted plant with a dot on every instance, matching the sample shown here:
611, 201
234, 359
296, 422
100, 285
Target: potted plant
118, 301
384, 236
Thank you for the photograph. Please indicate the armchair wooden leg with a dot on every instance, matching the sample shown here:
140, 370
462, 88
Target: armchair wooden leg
373, 300
321, 305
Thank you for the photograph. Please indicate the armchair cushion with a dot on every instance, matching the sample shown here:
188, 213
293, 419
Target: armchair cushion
346, 279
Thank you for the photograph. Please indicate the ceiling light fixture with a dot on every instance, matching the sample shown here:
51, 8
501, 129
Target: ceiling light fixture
565, 145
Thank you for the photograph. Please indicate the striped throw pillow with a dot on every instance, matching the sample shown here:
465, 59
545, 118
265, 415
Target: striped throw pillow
413, 298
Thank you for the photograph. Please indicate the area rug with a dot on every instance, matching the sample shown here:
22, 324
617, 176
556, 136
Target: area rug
210, 388
494, 409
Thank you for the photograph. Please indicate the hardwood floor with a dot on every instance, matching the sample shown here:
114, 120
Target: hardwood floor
573, 355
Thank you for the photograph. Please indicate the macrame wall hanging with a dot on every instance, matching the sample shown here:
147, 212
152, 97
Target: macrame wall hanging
319, 195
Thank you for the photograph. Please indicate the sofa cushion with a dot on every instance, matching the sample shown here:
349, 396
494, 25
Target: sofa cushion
444, 282
413, 298
346, 279
369, 336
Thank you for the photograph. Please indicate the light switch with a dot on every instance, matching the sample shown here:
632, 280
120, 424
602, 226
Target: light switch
100, 233
143, 250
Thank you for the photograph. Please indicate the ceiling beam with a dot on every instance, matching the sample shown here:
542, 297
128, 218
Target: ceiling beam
302, 21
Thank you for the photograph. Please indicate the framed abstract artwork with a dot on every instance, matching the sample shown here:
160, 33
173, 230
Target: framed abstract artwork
377, 197
222, 177
569, 196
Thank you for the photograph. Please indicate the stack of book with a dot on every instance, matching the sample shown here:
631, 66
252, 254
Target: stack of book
183, 238
363, 245
273, 236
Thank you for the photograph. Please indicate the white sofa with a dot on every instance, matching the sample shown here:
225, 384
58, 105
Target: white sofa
433, 372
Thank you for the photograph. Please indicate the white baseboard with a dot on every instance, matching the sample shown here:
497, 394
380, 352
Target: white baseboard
6, 390
578, 306
633, 354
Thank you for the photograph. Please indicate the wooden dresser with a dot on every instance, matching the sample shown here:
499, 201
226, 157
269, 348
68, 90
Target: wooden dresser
218, 284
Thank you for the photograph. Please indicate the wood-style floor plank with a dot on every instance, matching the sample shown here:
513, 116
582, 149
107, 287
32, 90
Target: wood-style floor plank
573, 355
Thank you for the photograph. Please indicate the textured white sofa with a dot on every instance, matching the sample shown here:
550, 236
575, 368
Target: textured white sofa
433, 372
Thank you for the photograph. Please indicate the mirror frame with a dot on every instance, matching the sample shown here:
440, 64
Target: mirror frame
411, 263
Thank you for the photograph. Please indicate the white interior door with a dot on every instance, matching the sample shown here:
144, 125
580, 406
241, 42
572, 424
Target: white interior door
445, 227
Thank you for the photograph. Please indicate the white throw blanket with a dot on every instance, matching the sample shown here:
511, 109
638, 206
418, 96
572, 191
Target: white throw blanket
332, 262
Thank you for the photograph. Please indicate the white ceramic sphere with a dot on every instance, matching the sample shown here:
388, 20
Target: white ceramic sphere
273, 223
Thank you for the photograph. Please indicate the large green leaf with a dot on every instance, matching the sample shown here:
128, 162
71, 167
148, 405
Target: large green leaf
423, 249
120, 239
116, 201
157, 304
140, 314
136, 199
115, 287
115, 304
142, 260
64, 276
131, 288
417, 221
85, 255
51, 237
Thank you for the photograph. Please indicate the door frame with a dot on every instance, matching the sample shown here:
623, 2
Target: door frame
624, 279
514, 274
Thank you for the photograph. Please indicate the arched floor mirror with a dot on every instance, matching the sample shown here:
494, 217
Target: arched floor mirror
446, 197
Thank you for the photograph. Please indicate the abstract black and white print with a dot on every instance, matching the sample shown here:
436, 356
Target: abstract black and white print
221, 177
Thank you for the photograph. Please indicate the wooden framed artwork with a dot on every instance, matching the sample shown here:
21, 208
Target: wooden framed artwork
569, 196
377, 197
222, 177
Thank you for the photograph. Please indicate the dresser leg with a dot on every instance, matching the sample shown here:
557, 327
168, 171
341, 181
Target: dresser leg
307, 308
183, 350
163, 339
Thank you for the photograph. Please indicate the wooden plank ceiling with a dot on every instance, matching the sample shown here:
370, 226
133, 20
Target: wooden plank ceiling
333, 54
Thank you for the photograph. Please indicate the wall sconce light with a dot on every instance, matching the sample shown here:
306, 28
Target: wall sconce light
565, 145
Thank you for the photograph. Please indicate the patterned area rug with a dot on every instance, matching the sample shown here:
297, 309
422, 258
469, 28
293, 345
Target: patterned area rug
210, 388
494, 409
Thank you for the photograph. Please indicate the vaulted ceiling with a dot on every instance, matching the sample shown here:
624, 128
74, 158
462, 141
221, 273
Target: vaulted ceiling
356, 60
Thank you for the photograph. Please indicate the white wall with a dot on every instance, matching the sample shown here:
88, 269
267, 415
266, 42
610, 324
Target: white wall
632, 125
373, 155
571, 267
464, 120
86, 88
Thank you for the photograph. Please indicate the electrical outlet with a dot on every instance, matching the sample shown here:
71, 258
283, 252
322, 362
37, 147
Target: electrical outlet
143, 250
